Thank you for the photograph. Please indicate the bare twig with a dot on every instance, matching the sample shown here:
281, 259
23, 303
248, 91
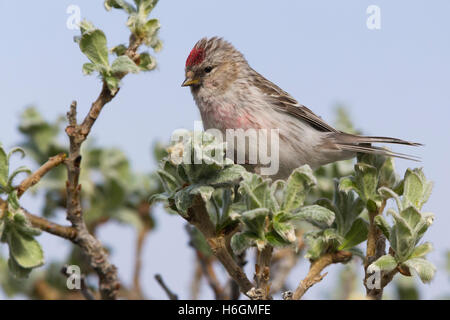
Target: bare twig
196, 280
36, 176
51, 227
143, 211
376, 247
283, 261
205, 263
233, 287
170, 294
198, 216
262, 271
210, 275
314, 275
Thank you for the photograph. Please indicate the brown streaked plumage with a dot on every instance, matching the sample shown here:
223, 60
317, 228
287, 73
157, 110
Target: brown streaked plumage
231, 95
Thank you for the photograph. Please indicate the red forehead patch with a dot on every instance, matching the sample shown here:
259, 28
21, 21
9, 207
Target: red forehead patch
196, 56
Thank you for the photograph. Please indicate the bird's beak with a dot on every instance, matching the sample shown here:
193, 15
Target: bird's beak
189, 82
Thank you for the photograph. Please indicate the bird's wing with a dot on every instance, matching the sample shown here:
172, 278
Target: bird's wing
285, 103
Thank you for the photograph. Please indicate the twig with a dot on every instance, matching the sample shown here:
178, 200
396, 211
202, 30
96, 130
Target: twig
234, 291
196, 280
314, 275
234, 287
91, 246
3, 208
376, 247
262, 271
283, 261
206, 267
77, 133
208, 271
143, 212
138, 261
170, 294
36, 176
46, 225
66, 232
199, 217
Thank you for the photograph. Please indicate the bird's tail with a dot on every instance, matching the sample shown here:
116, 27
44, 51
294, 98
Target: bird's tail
362, 144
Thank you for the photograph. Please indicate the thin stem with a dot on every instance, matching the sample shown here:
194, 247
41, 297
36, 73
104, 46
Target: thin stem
170, 294
376, 247
210, 275
46, 225
262, 271
77, 133
39, 173
314, 275
199, 217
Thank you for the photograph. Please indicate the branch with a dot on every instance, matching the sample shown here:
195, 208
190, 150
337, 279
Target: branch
46, 225
66, 232
314, 275
376, 247
39, 173
198, 216
196, 280
208, 271
170, 294
262, 271
105, 95
91, 246
283, 261
143, 211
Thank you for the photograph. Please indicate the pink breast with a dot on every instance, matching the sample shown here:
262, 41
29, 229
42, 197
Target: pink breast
228, 117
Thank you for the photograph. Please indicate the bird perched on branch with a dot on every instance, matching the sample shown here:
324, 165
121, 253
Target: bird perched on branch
231, 95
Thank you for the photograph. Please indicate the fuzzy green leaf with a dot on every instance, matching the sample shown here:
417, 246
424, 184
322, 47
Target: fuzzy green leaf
254, 220
147, 62
112, 83
241, 241
417, 189
297, 187
285, 230
119, 50
204, 191
93, 45
21, 169
119, 4
424, 269
384, 226
16, 270
385, 263
356, 234
422, 250
88, 68
124, 64
316, 215
27, 252
366, 180
4, 167
229, 175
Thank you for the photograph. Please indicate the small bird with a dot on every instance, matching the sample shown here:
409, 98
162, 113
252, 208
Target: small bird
231, 95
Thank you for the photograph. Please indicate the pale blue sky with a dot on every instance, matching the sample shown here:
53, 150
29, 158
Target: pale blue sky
394, 80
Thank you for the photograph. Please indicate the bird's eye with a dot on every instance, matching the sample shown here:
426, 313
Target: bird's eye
208, 69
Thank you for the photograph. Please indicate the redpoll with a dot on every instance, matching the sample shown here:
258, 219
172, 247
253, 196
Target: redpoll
231, 95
